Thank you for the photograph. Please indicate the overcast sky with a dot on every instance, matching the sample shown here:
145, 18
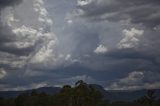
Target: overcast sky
114, 43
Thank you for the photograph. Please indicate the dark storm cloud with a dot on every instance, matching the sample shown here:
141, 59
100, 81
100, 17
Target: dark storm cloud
130, 54
144, 57
79, 38
144, 12
84, 36
4, 3
17, 51
6, 34
114, 65
8, 60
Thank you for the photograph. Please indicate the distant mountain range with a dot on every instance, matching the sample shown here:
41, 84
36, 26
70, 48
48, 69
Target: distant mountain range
13, 94
113, 95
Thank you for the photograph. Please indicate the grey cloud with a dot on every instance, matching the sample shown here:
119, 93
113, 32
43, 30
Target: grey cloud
103, 69
118, 63
20, 37
4, 3
5, 31
79, 39
130, 54
137, 80
145, 12
73, 35
17, 51
6, 35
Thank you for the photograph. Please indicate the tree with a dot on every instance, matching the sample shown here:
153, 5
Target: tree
148, 99
87, 95
64, 97
20, 100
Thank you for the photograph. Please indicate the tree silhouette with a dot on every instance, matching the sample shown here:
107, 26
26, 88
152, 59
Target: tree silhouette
148, 99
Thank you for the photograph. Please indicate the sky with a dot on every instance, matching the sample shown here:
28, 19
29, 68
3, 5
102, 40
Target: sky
113, 43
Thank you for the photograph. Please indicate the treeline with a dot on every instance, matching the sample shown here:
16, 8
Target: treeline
81, 94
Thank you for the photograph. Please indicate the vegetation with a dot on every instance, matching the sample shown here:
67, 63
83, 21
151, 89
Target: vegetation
81, 94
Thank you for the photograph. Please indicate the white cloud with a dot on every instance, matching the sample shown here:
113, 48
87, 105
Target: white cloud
12, 60
32, 27
26, 35
131, 38
3, 73
101, 49
137, 80
70, 21
45, 54
132, 81
83, 2
133, 77
42, 11
68, 57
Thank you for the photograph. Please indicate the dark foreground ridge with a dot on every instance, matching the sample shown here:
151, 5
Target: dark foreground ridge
81, 94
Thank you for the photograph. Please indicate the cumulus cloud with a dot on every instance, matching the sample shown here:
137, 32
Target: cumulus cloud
29, 33
136, 80
131, 38
133, 78
83, 2
132, 81
100, 49
2, 73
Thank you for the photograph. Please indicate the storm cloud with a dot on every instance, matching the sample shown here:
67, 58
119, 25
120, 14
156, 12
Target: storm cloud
114, 43
5, 31
5, 3
143, 12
